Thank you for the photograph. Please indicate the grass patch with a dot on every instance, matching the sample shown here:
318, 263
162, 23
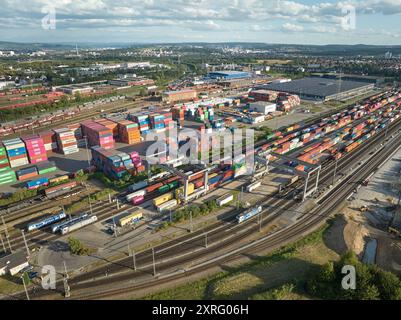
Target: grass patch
84, 203
256, 279
10, 285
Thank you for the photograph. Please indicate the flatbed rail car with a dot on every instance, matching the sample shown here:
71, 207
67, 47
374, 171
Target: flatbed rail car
59, 190
249, 214
78, 225
46, 221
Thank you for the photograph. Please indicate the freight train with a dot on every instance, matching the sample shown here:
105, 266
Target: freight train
78, 225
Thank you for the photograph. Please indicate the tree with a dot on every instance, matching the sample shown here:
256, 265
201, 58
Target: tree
76, 246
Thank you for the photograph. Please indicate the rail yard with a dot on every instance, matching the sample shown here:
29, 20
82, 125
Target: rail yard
331, 145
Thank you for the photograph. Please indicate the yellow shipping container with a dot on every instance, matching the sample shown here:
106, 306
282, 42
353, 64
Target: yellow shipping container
133, 217
58, 179
162, 199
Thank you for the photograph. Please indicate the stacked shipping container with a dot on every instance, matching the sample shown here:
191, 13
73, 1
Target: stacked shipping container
98, 135
67, 144
16, 152
35, 148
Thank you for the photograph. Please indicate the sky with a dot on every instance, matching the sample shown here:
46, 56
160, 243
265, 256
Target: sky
160, 21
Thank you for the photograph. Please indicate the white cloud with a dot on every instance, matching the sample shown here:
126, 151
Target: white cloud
290, 27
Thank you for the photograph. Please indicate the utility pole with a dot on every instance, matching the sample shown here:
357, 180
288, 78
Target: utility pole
2, 242
90, 204
134, 259
26, 291
335, 172
109, 197
26, 244
260, 221
87, 151
206, 240
115, 228
67, 290
190, 221
6, 232
118, 204
154, 264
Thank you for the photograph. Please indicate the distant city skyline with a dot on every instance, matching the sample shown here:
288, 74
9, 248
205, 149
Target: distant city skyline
161, 21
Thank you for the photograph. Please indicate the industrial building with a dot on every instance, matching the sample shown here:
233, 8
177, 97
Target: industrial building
131, 82
13, 263
178, 96
228, 75
322, 89
262, 107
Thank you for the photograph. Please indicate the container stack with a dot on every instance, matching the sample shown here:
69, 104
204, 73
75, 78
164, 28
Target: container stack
49, 141
111, 125
6, 174
178, 113
16, 152
4, 164
67, 144
116, 165
77, 130
98, 135
27, 173
157, 122
168, 117
143, 122
46, 167
128, 132
35, 148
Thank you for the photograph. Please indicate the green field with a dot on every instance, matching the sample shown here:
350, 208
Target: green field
276, 276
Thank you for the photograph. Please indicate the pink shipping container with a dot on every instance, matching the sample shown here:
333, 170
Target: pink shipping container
138, 200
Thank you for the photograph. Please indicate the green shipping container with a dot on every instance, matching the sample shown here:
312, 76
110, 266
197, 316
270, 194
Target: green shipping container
164, 189
52, 169
4, 169
173, 184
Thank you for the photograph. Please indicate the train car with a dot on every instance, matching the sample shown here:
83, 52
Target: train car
162, 199
253, 186
139, 193
59, 179
158, 176
57, 227
78, 225
137, 200
35, 184
62, 188
227, 198
249, 214
46, 221
138, 186
130, 219
167, 205
153, 187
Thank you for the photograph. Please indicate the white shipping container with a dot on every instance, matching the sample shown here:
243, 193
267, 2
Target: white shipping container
139, 193
167, 205
224, 200
253, 186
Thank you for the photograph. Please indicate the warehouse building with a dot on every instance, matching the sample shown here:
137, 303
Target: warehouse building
322, 89
178, 96
262, 107
228, 75
13, 263
131, 82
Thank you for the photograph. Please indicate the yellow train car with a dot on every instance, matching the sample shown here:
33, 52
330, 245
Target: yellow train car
131, 218
59, 179
163, 198
180, 191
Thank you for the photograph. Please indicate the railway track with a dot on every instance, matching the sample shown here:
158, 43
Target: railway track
163, 252
311, 221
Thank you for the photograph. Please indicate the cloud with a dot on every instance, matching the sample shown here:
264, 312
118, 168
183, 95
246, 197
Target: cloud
290, 27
